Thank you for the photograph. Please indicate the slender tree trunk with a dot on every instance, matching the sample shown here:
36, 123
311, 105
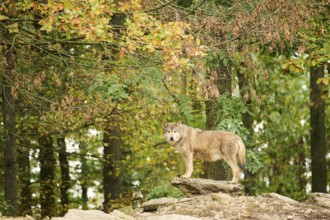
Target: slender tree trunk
111, 178
247, 118
2, 146
8, 107
84, 169
318, 132
302, 165
65, 174
221, 79
24, 180
47, 177
84, 196
250, 181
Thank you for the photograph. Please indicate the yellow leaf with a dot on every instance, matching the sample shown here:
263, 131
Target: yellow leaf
285, 65
323, 81
325, 94
2, 17
198, 41
155, 41
121, 53
13, 28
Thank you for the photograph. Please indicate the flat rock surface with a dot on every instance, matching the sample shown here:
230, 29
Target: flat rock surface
226, 207
154, 204
76, 214
205, 186
282, 198
217, 206
167, 217
320, 199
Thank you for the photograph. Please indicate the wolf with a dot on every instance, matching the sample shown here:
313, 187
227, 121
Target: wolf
206, 145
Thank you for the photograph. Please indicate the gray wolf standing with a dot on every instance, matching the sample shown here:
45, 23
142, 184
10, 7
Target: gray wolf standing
206, 145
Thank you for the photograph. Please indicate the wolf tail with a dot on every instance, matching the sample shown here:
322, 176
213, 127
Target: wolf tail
241, 154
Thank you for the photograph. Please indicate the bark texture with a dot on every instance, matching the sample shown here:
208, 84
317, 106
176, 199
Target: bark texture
65, 174
9, 124
318, 132
24, 183
47, 177
112, 180
220, 84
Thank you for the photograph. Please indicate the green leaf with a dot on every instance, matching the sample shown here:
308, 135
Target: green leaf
13, 28
253, 162
110, 87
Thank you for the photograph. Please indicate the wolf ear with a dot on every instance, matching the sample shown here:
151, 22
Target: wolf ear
178, 123
165, 125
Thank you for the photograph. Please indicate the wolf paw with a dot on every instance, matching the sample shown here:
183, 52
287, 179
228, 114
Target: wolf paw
185, 176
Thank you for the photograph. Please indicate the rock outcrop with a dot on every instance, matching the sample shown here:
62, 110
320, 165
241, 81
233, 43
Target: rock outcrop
223, 206
210, 199
320, 199
206, 186
154, 204
281, 198
76, 214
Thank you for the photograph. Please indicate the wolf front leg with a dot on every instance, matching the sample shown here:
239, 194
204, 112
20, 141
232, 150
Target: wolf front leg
188, 158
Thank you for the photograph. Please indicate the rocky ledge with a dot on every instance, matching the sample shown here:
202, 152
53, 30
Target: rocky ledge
206, 186
210, 199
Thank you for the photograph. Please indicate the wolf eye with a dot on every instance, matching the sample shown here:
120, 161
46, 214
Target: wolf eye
174, 131
168, 131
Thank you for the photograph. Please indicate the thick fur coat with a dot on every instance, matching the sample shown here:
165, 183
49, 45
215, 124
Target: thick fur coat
206, 145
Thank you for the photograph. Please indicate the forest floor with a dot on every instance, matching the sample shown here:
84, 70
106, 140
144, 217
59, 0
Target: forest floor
210, 200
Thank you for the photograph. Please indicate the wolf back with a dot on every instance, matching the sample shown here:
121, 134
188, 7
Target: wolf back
206, 145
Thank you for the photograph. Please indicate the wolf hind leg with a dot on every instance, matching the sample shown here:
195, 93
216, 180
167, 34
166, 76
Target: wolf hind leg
235, 169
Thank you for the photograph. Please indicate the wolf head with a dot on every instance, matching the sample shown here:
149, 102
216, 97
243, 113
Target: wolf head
172, 132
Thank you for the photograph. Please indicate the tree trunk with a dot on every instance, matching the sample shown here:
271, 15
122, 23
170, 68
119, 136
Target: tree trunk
250, 181
84, 169
24, 179
8, 107
247, 118
47, 177
111, 178
84, 196
318, 132
65, 182
221, 84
